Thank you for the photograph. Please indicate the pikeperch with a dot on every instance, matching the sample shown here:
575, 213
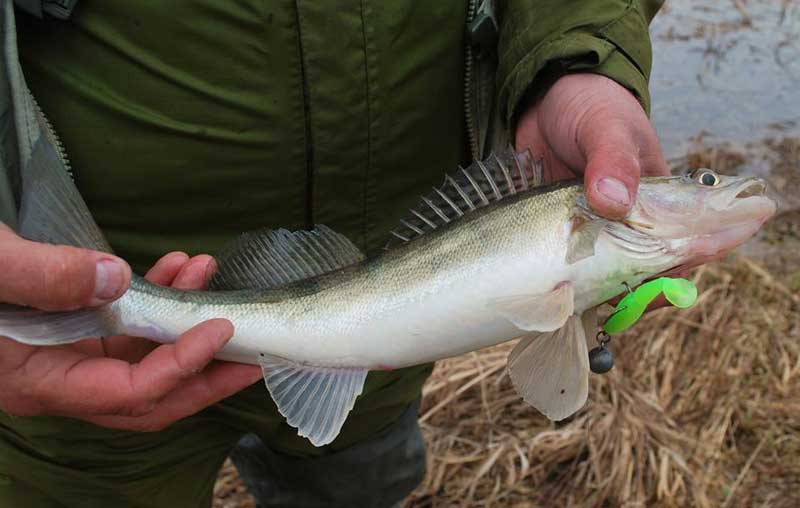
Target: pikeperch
488, 257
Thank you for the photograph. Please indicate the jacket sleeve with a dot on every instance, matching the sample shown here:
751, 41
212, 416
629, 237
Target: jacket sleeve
541, 40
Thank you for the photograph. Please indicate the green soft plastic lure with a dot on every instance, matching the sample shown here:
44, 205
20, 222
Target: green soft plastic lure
679, 292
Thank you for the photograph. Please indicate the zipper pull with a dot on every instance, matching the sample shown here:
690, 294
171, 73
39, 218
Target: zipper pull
483, 30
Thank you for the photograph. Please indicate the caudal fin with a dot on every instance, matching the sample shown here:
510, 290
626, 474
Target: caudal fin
53, 211
40, 328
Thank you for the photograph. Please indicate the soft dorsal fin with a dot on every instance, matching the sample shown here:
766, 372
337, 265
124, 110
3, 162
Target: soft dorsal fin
269, 258
501, 175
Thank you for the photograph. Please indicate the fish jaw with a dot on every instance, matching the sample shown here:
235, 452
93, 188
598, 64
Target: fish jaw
707, 247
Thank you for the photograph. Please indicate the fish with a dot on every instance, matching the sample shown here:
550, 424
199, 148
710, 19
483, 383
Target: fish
490, 256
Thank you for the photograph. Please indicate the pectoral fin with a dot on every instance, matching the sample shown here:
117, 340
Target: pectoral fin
583, 238
542, 313
314, 400
550, 371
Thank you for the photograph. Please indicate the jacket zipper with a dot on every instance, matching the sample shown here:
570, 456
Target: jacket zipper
472, 135
51, 135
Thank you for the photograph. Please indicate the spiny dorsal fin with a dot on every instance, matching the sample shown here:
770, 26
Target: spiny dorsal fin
482, 183
269, 258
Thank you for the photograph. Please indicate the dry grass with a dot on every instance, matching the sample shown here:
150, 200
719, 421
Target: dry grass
230, 491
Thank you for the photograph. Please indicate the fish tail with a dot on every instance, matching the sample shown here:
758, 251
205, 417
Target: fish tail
40, 328
53, 211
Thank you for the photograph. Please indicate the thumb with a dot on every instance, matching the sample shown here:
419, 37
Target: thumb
51, 277
617, 142
611, 179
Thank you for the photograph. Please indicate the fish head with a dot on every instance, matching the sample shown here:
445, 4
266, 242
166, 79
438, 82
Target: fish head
702, 215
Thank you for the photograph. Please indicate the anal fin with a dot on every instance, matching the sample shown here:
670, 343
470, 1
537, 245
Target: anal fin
314, 400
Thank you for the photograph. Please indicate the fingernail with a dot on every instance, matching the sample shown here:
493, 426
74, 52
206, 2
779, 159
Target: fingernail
211, 269
225, 335
109, 279
614, 190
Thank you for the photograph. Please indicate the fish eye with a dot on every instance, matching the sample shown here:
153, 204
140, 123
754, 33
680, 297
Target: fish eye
706, 177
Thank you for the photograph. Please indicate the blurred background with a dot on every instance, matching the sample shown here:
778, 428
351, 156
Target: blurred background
703, 406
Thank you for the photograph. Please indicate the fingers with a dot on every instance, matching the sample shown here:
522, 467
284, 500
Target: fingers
173, 384
65, 381
163, 369
619, 145
177, 270
591, 124
167, 385
196, 274
218, 381
610, 181
53, 277
167, 268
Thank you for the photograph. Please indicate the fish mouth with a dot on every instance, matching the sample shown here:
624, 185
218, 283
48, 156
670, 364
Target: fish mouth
745, 208
748, 203
750, 189
733, 214
746, 211
750, 192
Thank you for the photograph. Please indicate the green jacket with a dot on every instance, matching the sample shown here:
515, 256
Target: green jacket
190, 121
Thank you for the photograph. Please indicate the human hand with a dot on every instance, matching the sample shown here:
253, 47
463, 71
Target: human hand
119, 382
589, 125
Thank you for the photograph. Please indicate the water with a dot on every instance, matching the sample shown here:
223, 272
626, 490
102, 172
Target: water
725, 70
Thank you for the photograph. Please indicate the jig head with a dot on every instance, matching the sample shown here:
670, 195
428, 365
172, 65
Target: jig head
681, 293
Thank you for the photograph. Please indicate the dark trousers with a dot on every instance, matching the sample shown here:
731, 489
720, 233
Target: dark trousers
378, 473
